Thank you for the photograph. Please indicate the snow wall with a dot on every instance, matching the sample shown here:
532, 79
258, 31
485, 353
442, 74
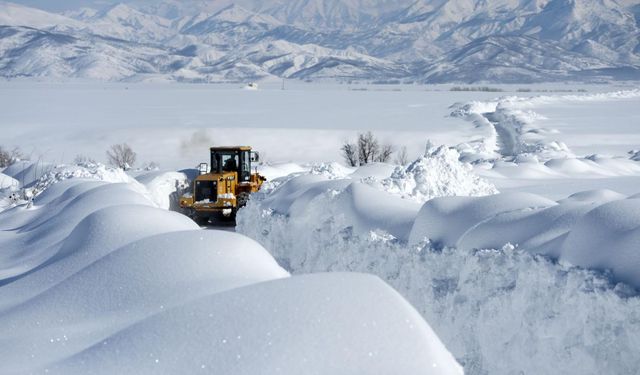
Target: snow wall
500, 308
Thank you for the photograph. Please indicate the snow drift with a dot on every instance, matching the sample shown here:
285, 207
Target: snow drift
96, 278
483, 270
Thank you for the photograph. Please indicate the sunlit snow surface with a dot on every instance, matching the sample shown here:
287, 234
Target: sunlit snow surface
173, 125
498, 308
96, 276
538, 278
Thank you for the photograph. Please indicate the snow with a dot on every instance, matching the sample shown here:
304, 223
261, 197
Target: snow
540, 277
27, 172
7, 182
18, 15
165, 188
439, 173
281, 339
95, 277
607, 238
472, 266
512, 127
445, 220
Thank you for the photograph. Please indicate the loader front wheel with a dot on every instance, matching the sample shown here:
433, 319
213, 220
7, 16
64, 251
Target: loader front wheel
201, 221
242, 199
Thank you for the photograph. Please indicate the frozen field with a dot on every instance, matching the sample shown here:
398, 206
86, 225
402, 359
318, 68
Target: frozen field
516, 243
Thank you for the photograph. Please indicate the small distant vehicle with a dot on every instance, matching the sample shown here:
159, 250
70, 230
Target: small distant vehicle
224, 187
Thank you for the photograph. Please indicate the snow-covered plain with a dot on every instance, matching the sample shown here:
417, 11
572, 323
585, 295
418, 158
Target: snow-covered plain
517, 241
172, 124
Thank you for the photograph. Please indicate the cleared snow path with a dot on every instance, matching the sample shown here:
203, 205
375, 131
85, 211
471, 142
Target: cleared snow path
511, 128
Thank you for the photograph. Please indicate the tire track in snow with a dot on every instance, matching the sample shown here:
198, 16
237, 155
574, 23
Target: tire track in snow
513, 129
507, 139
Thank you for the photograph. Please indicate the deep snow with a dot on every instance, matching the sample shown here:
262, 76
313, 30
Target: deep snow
523, 261
505, 279
97, 276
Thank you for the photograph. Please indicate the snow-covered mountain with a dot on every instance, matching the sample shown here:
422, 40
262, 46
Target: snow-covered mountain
371, 40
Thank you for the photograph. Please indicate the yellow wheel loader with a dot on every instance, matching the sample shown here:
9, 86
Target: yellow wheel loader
219, 191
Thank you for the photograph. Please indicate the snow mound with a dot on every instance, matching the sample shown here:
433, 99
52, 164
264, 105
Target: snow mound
601, 195
27, 172
331, 170
285, 340
473, 267
595, 229
90, 171
8, 191
94, 277
445, 220
34, 235
607, 238
271, 172
165, 188
373, 171
437, 174
7, 182
592, 166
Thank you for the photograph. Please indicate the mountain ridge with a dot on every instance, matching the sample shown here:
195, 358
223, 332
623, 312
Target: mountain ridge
461, 41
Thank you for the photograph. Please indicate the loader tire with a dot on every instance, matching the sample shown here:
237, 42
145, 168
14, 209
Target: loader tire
242, 199
201, 221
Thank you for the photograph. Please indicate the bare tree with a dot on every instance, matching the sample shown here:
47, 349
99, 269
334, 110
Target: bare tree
402, 158
8, 158
385, 153
350, 153
121, 156
368, 148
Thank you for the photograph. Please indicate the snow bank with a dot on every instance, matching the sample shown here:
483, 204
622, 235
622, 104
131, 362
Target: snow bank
8, 188
473, 267
165, 188
8, 181
589, 167
271, 172
437, 174
371, 197
332, 330
597, 229
95, 278
608, 238
27, 172
94, 171
445, 220
331, 170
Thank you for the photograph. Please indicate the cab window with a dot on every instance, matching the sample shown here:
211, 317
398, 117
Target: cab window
229, 162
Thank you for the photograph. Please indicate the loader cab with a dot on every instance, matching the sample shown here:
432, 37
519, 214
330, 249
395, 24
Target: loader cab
232, 159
